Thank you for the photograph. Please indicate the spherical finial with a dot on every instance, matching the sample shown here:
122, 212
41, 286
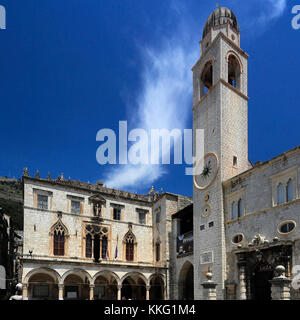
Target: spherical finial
209, 275
280, 270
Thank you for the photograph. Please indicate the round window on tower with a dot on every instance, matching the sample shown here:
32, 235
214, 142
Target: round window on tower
286, 227
238, 238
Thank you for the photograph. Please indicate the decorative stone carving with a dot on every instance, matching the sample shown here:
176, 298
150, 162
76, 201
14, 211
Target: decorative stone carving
258, 240
25, 172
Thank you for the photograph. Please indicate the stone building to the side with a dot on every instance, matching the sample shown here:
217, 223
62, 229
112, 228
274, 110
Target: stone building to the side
245, 217
86, 241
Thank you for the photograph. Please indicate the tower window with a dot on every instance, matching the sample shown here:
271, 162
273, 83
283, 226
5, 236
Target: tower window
234, 71
234, 161
157, 247
206, 78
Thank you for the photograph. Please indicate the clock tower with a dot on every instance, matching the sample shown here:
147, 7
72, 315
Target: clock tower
220, 104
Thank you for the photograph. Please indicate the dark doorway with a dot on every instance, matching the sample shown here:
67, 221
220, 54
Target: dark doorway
186, 282
260, 285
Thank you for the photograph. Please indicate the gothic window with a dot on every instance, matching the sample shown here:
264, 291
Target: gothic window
280, 194
234, 71
117, 213
290, 190
104, 247
59, 243
240, 208
96, 247
157, 251
42, 201
88, 246
233, 210
129, 246
206, 78
75, 206
59, 234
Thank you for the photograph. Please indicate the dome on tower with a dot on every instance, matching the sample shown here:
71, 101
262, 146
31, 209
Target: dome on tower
219, 17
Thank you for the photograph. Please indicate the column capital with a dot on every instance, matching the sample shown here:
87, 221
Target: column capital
119, 286
148, 287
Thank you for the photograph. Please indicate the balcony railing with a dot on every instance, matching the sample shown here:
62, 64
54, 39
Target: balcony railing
185, 243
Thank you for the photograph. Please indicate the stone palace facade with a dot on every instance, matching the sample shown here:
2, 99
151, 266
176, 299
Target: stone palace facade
238, 239
84, 241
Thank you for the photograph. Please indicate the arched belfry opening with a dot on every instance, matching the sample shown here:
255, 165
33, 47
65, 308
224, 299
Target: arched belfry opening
206, 78
234, 72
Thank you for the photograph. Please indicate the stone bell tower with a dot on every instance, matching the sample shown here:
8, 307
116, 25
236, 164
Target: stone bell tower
220, 104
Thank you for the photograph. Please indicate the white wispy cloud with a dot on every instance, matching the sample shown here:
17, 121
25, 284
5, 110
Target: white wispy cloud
164, 102
258, 14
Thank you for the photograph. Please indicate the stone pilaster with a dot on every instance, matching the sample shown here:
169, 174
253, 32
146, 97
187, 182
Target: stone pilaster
209, 287
243, 289
280, 285
25, 291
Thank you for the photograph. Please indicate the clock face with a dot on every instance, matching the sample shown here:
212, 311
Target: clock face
209, 172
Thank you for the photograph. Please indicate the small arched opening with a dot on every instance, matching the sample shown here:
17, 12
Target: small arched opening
234, 71
42, 286
206, 78
156, 288
133, 288
76, 287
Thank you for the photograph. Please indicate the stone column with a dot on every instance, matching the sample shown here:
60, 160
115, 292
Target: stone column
119, 291
60, 291
25, 291
210, 292
280, 285
243, 289
92, 286
148, 292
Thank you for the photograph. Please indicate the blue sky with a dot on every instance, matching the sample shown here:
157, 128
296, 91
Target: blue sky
70, 68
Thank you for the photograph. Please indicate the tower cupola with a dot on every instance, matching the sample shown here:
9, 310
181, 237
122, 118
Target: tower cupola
221, 20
